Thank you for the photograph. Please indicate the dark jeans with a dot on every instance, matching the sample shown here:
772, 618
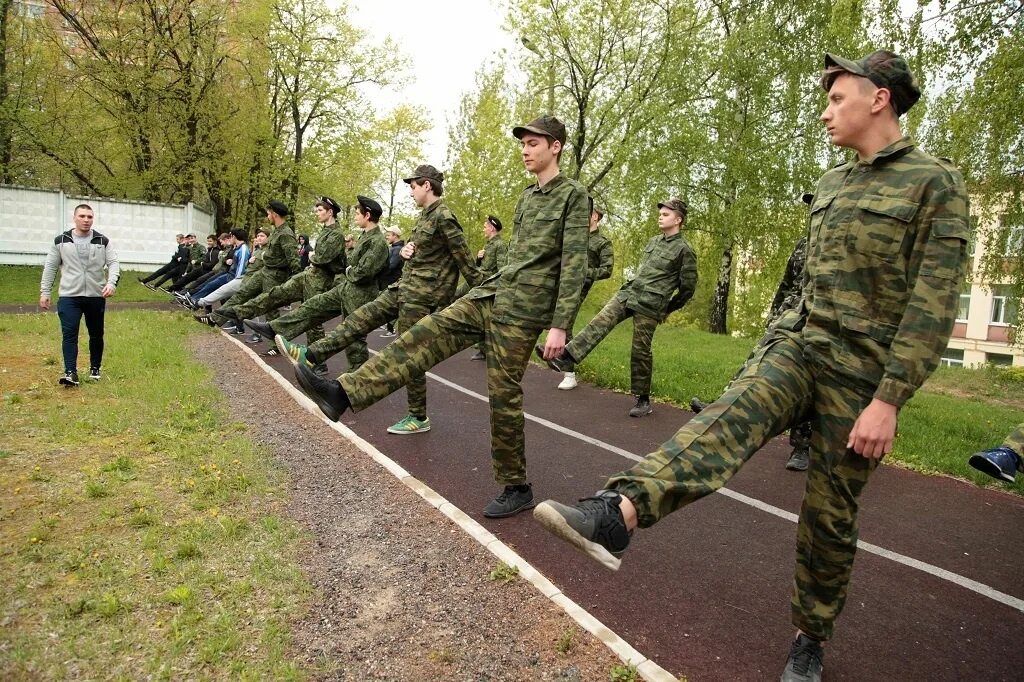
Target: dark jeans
70, 310
168, 270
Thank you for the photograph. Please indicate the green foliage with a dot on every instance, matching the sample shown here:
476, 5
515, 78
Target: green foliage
504, 573
19, 284
623, 673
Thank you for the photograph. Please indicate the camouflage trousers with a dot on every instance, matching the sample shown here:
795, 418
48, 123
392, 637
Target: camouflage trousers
440, 336
783, 382
250, 288
272, 278
365, 319
313, 313
641, 361
575, 312
1015, 441
301, 287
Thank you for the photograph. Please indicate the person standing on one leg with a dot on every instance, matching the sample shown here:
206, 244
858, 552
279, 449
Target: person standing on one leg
435, 255
81, 254
536, 290
665, 280
1004, 461
886, 255
600, 261
489, 260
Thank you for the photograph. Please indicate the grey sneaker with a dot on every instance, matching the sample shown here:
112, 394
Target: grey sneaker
70, 378
805, 661
594, 526
512, 500
642, 407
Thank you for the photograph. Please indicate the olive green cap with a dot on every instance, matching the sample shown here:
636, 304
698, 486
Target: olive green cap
885, 69
548, 126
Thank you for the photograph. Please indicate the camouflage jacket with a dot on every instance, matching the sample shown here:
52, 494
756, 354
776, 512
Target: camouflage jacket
221, 264
329, 254
195, 255
255, 260
668, 265
281, 251
886, 252
429, 278
368, 256
547, 262
787, 296
495, 256
600, 258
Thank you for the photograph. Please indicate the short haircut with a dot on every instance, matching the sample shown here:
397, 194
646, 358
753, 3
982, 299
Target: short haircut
263, 231
436, 187
224, 235
240, 234
81, 206
212, 236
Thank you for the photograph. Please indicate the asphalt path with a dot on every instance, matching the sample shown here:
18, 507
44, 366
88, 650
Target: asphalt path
937, 595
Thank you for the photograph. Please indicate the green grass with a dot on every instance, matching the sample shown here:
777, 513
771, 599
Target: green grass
142, 531
957, 412
19, 284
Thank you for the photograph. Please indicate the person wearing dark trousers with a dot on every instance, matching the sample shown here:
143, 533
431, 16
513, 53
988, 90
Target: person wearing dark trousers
81, 255
205, 265
392, 272
173, 265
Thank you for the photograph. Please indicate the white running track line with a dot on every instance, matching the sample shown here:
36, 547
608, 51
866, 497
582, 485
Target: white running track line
648, 669
955, 578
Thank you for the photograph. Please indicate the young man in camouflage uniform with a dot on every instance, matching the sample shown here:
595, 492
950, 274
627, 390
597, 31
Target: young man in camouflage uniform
886, 250
1004, 461
489, 260
280, 259
600, 261
787, 296
435, 255
665, 280
355, 284
537, 289
326, 263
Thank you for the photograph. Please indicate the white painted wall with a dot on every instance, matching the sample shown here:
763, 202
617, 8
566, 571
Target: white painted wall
143, 233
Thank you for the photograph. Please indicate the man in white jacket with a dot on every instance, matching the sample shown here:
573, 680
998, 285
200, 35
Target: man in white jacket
81, 254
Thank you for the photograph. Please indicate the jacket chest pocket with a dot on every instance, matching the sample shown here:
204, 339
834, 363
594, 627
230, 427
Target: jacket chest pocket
881, 225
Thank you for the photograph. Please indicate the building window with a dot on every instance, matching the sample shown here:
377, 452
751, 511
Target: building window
965, 308
27, 8
1001, 359
1004, 308
953, 357
1014, 241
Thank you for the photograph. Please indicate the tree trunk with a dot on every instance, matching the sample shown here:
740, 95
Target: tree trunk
6, 122
717, 323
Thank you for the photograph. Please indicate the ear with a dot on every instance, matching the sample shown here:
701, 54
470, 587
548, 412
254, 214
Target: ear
882, 100
556, 147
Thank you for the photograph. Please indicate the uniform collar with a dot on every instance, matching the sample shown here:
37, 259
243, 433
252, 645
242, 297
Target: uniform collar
427, 210
893, 151
670, 238
551, 184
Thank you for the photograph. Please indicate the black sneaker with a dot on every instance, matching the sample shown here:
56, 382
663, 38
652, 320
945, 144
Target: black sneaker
798, 461
271, 352
94, 373
69, 379
328, 394
642, 407
805, 661
697, 405
594, 526
561, 363
206, 319
262, 328
512, 500
320, 369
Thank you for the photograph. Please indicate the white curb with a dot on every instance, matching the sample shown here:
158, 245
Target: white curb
647, 668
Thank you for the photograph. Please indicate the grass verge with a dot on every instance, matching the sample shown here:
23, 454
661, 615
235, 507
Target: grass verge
19, 284
141, 530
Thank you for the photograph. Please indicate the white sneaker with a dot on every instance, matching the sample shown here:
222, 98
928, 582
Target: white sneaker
568, 382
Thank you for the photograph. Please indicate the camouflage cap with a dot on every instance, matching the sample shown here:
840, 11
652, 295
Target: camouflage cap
885, 69
549, 126
427, 172
675, 204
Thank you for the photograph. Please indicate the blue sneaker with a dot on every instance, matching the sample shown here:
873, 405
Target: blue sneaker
1001, 462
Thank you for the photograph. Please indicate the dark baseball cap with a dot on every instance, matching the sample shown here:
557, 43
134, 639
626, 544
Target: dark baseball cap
330, 203
370, 206
495, 223
426, 172
674, 204
278, 207
549, 126
885, 69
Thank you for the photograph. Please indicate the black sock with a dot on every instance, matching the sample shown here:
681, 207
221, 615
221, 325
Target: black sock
311, 356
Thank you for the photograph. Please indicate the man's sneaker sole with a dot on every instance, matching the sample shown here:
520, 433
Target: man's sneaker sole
553, 521
532, 504
329, 410
403, 432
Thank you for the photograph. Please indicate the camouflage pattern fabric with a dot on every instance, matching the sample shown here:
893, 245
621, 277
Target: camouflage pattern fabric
312, 313
886, 254
365, 261
439, 336
641, 361
281, 251
430, 277
787, 296
541, 285
252, 281
600, 262
1015, 441
195, 256
495, 256
667, 265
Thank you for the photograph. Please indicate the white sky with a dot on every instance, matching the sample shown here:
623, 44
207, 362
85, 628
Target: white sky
446, 42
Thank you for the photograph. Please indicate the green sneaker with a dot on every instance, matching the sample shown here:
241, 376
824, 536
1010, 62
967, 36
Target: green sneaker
410, 424
295, 353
